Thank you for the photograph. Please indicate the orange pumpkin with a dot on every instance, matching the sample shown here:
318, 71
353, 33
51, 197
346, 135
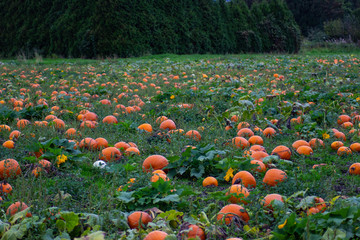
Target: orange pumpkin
195, 232
230, 211
154, 162
17, 207
268, 199
245, 178
156, 235
274, 176
210, 181
135, 218
9, 168
282, 151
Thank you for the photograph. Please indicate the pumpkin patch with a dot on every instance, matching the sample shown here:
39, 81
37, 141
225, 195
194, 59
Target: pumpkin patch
200, 147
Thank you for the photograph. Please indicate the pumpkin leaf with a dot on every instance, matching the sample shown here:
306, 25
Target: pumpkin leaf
171, 237
71, 220
171, 215
167, 199
125, 197
306, 202
197, 172
63, 236
99, 235
334, 234
92, 219
15, 232
3, 227
19, 215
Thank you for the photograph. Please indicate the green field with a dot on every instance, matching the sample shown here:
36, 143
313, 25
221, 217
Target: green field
280, 98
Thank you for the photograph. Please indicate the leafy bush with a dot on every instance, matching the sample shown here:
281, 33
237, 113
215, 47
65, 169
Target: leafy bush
195, 162
7, 115
340, 223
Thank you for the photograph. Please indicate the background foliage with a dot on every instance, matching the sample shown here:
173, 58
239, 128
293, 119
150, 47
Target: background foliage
93, 28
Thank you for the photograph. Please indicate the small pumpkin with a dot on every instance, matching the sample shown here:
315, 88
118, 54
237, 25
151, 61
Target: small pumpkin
138, 219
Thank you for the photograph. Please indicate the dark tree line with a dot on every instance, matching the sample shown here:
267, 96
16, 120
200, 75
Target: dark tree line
92, 28
312, 14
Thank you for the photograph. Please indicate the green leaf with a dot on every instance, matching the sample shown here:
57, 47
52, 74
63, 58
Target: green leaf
125, 197
19, 215
173, 158
3, 227
63, 236
186, 191
120, 221
167, 199
182, 170
99, 235
270, 159
297, 194
48, 235
306, 202
334, 234
336, 221
246, 104
171, 237
71, 220
15, 232
162, 186
129, 167
197, 172
92, 219
171, 215
61, 225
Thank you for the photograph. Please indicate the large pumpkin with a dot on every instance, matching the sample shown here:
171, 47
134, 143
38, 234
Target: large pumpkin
154, 162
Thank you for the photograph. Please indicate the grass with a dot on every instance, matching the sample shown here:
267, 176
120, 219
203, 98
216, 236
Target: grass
219, 86
308, 48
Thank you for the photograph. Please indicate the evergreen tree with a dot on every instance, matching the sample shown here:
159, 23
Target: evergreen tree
94, 28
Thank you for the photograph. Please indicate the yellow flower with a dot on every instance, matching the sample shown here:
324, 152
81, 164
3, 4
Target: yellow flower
326, 136
229, 174
282, 225
205, 76
61, 159
172, 97
358, 99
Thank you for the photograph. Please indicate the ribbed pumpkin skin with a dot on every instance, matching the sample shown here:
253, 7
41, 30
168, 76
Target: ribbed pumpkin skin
168, 125
354, 169
233, 209
271, 197
195, 232
110, 154
247, 179
274, 176
210, 181
156, 235
9, 168
282, 151
155, 162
